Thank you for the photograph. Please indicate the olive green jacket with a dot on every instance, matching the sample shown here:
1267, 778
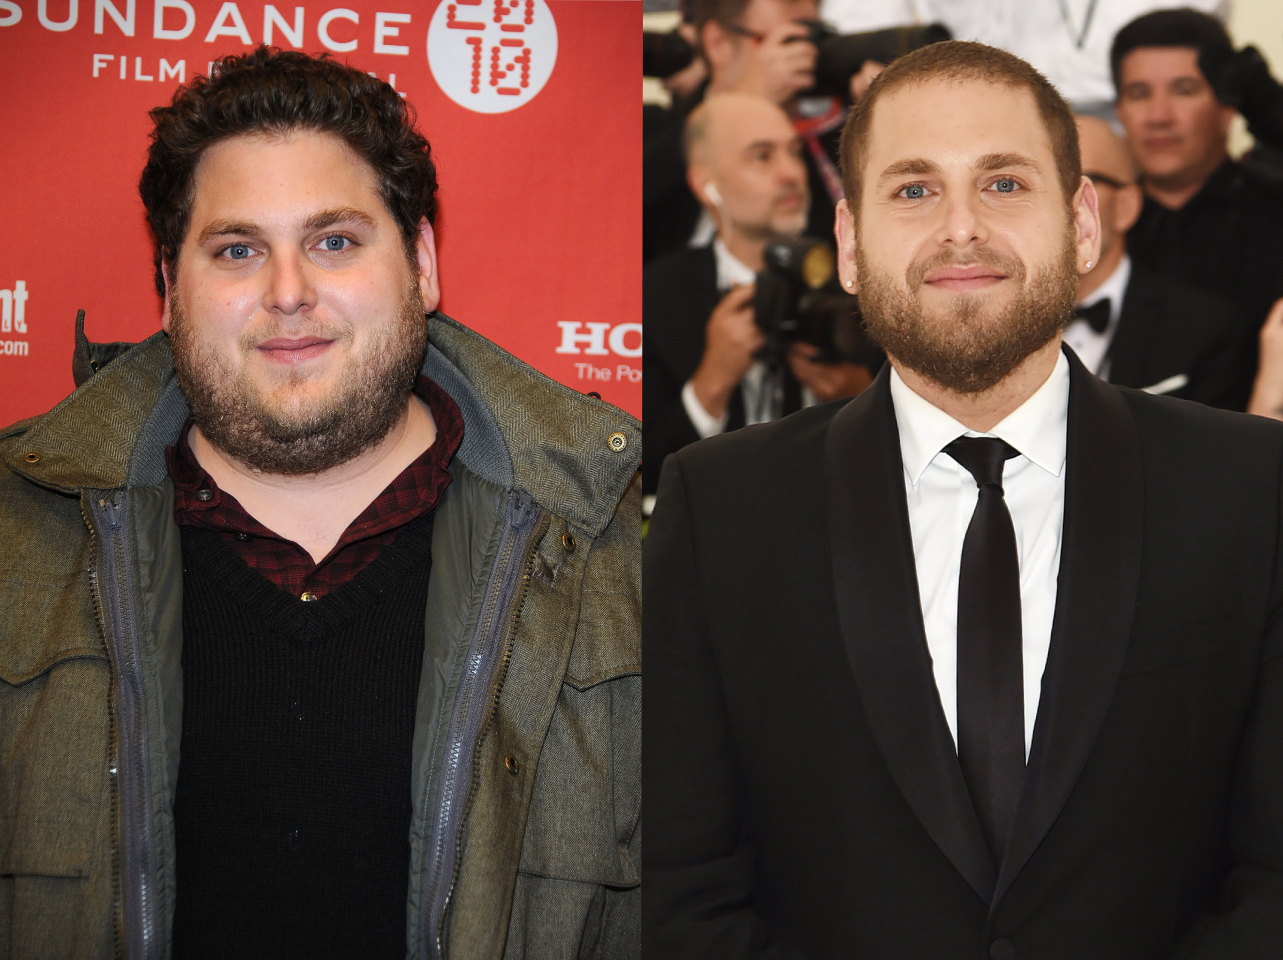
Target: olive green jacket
526, 771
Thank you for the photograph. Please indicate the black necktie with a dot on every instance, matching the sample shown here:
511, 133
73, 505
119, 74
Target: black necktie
1097, 315
991, 694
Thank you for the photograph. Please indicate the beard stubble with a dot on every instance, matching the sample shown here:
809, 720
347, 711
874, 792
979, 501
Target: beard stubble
968, 348
264, 427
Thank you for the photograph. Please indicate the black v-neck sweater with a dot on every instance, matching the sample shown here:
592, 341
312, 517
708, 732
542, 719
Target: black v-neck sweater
292, 809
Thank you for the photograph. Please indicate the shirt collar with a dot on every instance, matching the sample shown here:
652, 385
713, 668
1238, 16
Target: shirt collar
1036, 428
731, 270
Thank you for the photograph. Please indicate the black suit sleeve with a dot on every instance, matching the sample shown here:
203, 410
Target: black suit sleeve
1250, 926
699, 862
668, 427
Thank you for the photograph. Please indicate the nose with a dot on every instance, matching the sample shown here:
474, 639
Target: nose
1158, 110
289, 284
791, 169
963, 219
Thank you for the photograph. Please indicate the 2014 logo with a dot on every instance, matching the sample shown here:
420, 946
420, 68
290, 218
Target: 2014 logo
492, 56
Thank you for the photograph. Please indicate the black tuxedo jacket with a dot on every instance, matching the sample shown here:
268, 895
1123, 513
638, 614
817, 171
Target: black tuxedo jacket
803, 794
1170, 331
679, 292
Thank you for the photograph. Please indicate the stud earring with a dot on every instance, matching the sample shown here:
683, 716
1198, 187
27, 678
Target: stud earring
850, 283
1090, 264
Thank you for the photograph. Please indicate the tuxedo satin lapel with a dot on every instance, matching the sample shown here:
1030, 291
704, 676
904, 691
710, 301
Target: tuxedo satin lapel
1095, 602
881, 617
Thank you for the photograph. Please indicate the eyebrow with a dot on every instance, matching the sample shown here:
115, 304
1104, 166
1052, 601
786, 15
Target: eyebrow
918, 166
328, 218
317, 221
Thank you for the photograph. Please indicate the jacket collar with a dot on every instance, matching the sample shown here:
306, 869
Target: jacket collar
521, 429
881, 617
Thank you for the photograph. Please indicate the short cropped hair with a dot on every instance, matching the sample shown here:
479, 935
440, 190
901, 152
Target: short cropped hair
723, 11
272, 91
1183, 27
961, 60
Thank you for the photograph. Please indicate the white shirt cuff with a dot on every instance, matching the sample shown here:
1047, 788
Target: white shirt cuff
705, 424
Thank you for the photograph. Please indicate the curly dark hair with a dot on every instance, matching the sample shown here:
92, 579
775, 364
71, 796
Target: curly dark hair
277, 91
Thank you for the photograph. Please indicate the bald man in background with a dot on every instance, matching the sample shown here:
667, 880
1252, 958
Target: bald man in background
1138, 329
701, 342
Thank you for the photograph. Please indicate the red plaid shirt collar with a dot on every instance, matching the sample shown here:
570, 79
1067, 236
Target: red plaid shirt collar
198, 502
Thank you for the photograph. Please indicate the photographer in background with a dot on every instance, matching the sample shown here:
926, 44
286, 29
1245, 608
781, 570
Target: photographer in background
755, 47
700, 336
1207, 219
1135, 328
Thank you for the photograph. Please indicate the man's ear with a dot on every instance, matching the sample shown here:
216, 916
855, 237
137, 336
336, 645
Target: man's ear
1086, 215
700, 179
166, 318
844, 232
425, 247
718, 45
1226, 118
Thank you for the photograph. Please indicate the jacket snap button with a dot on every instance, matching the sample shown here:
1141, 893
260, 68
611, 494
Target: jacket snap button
511, 763
307, 596
568, 542
1002, 949
617, 441
204, 494
32, 457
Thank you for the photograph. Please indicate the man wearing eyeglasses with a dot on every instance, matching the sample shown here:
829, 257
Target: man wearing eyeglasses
1137, 329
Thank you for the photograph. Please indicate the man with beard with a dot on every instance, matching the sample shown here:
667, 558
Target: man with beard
988, 660
704, 370
319, 631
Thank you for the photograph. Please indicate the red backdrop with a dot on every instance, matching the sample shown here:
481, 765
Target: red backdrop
539, 231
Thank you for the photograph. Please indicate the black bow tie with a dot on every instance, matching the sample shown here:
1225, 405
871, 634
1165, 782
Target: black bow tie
1097, 315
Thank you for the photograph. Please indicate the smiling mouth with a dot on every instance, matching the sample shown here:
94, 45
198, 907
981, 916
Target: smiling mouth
293, 350
959, 279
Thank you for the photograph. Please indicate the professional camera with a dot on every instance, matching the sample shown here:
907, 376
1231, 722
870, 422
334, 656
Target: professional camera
797, 300
664, 54
842, 55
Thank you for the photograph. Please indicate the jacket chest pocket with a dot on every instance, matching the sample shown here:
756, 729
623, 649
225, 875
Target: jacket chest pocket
587, 795
55, 723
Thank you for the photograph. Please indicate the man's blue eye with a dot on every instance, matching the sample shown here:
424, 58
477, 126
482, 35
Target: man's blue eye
915, 191
238, 251
1005, 185
334, 244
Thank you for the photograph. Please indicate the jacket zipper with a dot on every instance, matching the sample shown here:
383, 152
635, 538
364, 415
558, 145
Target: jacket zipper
474, 706
134, 846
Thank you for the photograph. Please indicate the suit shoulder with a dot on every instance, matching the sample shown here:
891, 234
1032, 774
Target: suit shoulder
684, 264
1180, 296
1204, 431
762, 448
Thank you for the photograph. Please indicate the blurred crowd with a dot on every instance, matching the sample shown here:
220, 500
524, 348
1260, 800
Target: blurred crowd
743, 319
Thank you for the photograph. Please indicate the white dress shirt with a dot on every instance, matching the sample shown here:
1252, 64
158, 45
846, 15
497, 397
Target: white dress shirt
942, 496
1092, 347
763, 392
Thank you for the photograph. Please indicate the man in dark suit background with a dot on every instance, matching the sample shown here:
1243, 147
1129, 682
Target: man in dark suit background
701, 343
895, 711
1137, 329
1207, 219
